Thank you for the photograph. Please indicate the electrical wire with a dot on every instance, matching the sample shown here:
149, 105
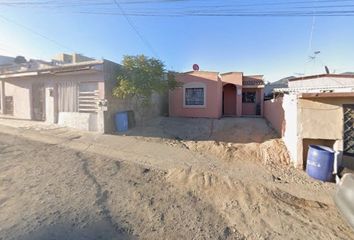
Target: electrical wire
35, 32
133, 26
182, 8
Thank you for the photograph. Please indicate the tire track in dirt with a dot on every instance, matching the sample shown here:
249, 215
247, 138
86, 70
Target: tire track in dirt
102, 197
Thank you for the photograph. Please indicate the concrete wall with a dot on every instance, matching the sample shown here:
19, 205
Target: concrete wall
321, 119
213, 93
72, 58
78, 120
142, 114
291, 138
308, 121
274, 113
21, 92
20, 88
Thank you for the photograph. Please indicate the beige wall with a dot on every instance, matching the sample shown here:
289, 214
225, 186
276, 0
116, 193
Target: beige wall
321, 118
20, 88
21, 93
312, 121
307, 121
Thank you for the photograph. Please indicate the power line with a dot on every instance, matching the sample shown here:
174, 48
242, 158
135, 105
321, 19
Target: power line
36, 33
182, 8
132, 25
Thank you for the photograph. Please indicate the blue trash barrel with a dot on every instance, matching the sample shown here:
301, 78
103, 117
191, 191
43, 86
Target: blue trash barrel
121, 121
320, 161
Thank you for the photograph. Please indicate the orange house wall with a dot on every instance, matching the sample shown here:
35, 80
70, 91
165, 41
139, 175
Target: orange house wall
213, 103
214, 92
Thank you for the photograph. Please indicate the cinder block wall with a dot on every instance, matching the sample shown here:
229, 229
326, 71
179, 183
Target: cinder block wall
157, 107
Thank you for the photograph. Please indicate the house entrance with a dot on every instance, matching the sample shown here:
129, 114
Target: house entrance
251, 104
229, 100
38, 102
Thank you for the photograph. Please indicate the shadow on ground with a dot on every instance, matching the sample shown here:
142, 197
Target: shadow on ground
233, 130
99, 230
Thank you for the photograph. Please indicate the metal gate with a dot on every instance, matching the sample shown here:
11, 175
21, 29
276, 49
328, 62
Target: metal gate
348, 144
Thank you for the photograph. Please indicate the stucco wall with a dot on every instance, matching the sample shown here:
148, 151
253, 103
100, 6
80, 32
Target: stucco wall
236, 79
312, 121
274, 113
21, 93
21, 90
213, 92
251, 108
322, 119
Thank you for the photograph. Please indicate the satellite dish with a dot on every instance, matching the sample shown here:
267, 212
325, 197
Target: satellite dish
195, 67
327, 70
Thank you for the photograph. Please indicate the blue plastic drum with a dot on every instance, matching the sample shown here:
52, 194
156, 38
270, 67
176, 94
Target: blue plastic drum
121, 121
320, 161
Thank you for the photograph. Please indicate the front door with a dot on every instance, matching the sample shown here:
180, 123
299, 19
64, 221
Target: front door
229, 100
249, 106
38, 102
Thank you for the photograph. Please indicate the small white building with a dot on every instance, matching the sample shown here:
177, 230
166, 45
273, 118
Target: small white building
316, 109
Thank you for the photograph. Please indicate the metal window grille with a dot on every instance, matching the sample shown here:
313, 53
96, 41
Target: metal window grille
348, 145
194, 96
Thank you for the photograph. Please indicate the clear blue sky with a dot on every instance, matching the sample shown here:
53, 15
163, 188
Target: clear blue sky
274, 46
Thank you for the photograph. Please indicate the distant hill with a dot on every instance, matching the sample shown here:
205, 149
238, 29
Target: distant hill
282, 83
5, 60
348, 73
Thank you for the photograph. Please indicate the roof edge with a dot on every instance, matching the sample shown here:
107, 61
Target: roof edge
322, 75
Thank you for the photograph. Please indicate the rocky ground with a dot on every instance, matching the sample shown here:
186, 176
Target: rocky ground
171, 179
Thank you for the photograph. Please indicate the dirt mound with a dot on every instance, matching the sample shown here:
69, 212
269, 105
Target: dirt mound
257, 211
270, 152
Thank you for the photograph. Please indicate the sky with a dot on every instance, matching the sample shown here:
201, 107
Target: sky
276, 47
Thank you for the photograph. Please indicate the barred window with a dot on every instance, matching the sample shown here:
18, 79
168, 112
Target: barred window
249, 97
194, 96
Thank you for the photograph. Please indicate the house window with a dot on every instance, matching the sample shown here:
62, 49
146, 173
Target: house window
348, 138
194, 96
249, 97
88, 97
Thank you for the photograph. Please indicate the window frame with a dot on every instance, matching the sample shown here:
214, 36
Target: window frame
255, 97
194, 85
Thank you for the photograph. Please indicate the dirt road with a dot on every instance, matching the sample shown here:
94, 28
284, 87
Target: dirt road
72, 185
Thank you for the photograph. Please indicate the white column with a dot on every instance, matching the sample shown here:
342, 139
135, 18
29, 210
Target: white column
2, 96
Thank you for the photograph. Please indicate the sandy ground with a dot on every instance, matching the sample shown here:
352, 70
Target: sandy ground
172, 179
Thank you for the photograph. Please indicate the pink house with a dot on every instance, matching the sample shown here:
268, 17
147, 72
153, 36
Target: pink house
213, 95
